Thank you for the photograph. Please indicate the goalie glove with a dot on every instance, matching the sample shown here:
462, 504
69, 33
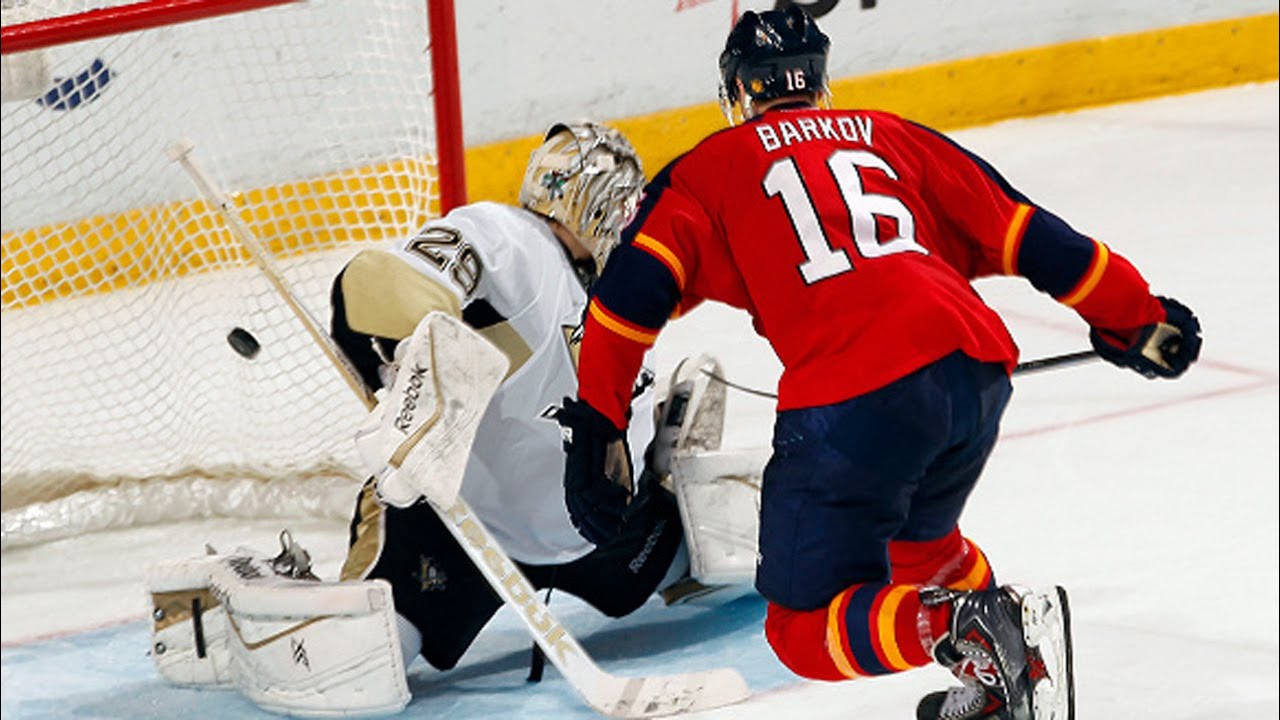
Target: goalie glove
416, 441
600, 489
1162, 349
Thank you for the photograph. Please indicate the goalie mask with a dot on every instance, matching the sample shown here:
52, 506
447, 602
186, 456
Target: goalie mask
774, 53
587, 177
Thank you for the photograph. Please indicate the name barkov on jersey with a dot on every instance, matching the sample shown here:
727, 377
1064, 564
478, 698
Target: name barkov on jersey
781, 133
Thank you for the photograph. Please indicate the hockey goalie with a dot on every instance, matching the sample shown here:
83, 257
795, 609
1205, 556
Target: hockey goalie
292, 643
468, 331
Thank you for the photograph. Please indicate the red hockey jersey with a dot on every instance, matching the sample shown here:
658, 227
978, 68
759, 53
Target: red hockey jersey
851, 238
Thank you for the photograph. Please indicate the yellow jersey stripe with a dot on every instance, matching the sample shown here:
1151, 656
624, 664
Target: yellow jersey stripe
664, 255
976, 576
1092, 277
617, 326
1013, 238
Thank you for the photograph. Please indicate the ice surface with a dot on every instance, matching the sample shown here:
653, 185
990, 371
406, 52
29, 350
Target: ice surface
1154, 503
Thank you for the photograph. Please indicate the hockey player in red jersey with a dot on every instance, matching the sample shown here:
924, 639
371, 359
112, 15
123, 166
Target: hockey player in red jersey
851, 237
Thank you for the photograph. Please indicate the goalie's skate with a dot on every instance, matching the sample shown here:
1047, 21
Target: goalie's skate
1011, 649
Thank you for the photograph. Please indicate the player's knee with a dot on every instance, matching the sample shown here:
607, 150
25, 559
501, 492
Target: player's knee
798, 639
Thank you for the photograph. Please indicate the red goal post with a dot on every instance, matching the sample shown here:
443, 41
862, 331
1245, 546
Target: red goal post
333, 124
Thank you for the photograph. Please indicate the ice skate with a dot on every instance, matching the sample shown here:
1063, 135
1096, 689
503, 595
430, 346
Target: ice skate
1011, 649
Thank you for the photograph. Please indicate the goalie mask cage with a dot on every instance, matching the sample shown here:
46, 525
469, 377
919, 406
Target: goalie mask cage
123, 402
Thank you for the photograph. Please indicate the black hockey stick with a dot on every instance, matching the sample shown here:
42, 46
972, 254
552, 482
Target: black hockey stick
1022, 368
1053, 361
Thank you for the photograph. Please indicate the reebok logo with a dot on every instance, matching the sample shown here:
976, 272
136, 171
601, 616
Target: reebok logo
637, 562
299, 653
409, 401
520, 593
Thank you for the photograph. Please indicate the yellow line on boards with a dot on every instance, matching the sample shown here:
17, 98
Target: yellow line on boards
103, 253
136, 247
963, 93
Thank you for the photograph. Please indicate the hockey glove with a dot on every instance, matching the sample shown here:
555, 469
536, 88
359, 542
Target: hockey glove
1164, 349
599, 490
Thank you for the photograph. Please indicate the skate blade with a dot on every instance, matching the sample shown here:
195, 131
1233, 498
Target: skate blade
1046, 626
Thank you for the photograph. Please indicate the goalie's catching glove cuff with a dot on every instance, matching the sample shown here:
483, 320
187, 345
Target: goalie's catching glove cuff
1163, 349
600, 491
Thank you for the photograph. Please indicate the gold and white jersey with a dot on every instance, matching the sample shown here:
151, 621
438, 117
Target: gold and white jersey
515, 284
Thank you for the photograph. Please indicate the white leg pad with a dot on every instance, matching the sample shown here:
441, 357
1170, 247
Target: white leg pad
188, 624
310, 648
719, 498
691, 415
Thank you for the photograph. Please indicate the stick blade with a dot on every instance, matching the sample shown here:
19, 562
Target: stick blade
662, 695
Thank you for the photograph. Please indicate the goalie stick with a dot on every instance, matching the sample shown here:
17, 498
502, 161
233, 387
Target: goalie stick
180, 152
622, 697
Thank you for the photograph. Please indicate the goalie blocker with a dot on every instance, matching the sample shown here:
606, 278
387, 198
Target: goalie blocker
416, 441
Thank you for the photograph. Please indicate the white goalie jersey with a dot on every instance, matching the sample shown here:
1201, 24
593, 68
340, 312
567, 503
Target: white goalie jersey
515, 284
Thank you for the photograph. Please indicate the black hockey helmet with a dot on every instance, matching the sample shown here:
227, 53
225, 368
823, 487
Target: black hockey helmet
774, 53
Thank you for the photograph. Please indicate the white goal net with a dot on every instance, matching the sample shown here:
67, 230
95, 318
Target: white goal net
123, 402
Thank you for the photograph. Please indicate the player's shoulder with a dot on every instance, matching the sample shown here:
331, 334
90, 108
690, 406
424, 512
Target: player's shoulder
885, 115
488, 216
486, 234
493, 226
705, 156
882, 120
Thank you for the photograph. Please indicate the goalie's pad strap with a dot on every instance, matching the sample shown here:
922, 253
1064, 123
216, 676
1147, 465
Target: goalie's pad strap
179, 606
705, 466
188, 624
385, 296
297, 597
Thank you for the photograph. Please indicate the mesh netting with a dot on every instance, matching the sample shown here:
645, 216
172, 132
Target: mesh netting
121, 396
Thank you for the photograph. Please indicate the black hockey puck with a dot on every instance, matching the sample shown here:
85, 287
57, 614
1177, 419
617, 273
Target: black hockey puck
243, 342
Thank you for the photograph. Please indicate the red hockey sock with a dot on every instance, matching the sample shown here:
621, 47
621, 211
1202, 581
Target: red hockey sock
952, 561
868, 629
